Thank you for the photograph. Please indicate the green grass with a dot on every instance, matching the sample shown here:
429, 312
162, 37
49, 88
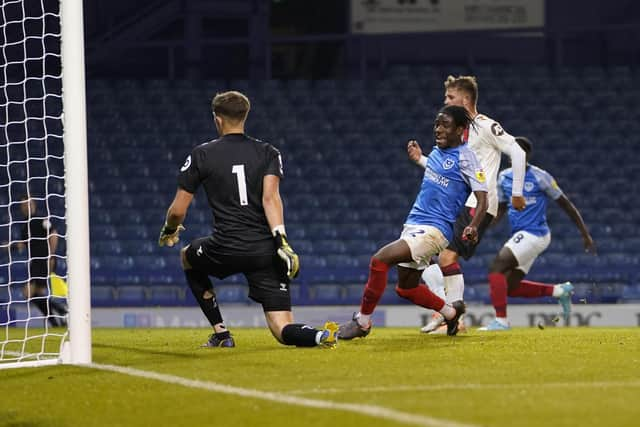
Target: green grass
527, 377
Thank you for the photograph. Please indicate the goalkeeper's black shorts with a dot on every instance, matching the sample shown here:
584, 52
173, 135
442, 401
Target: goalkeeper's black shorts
266, 274
465, 248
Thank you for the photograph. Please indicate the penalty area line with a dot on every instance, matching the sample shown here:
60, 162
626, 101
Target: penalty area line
367, 410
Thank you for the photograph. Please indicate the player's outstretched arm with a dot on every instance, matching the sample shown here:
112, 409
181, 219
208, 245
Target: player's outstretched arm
518, 165
471, 231
415, 153
170, 232
573, 213
274, 211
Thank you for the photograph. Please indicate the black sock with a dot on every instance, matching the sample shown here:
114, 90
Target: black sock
41, 303
300, 335
59, 308
199, 283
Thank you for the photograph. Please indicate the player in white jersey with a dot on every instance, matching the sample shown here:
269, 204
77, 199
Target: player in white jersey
530, 237
489, 141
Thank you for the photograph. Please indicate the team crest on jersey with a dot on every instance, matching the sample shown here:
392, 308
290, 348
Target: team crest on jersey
496, 129
448, 163
528, 186
480, 175
186, 165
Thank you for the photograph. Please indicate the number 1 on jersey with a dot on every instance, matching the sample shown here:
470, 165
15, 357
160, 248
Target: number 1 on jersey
242, 183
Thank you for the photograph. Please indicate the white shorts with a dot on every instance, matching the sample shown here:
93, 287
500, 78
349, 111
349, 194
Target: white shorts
526, 247
424, 242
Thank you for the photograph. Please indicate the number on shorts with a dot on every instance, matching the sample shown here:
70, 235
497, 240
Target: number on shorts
518, 237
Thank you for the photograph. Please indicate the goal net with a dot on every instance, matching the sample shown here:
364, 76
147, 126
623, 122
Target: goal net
37, 192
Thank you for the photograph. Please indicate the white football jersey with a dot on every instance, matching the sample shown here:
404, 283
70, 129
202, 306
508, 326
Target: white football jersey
488, 140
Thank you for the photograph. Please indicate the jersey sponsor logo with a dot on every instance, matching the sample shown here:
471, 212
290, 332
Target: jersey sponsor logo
436, 178
448, 163
480, 175
496, 129
186, 164
528, 186
283, 287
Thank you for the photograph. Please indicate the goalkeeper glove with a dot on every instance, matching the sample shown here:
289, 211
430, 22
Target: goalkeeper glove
169, 236
290, 258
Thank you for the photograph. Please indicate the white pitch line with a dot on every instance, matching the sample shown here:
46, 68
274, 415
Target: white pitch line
599, 384
367, 410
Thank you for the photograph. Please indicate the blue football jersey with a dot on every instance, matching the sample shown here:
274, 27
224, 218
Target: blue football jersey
538, 185
450, 176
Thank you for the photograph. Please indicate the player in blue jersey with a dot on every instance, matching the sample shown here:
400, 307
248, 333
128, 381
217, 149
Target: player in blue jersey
530, 237
452, 172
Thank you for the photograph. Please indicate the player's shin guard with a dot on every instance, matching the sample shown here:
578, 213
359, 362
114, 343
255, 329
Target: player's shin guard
498, 293
453, 282
529, 289
200, 287
375, 285
422, 296
300, 335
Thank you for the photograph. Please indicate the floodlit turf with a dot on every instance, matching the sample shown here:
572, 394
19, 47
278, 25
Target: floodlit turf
526, 377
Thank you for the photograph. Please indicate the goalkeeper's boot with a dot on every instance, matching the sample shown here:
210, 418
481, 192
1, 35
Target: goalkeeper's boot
437, 319
565, 299
224, 340
453, 324
352, 329
329, 337
496, 325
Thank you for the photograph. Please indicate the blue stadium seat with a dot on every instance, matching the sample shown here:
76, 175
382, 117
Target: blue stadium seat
102, 296
326, 294
165, 295
133, 295
232, 293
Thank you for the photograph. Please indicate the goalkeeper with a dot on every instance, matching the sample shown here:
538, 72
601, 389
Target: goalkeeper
241, 177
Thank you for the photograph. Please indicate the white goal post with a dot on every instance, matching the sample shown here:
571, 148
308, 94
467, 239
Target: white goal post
41, 63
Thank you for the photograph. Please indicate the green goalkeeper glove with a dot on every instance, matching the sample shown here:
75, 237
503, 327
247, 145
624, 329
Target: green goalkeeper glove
169, 236
287, 254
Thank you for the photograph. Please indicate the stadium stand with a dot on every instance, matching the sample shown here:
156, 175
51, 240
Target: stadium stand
348, 184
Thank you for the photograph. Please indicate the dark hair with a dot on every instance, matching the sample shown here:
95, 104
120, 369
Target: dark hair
524, 143
459, 114
232, 105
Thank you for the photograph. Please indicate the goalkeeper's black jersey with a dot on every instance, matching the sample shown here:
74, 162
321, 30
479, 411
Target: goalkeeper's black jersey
231, 169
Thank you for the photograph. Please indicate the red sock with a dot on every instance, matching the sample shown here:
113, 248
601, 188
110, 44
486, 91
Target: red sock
498, 293
375, 286
529, 289
422, 296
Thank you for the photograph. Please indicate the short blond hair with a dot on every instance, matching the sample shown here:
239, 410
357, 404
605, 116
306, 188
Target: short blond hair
467, 84
232, 104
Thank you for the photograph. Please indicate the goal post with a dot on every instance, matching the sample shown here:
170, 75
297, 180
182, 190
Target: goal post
76, 180
43, 165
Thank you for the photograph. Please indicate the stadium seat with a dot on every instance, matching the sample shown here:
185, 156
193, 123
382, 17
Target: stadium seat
132, 295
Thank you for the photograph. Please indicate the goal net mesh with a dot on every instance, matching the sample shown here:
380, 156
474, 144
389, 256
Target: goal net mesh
32, 190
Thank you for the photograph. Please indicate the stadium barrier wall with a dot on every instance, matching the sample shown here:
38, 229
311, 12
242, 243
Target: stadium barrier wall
242, 315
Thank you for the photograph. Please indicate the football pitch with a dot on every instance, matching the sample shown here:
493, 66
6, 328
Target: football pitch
394, 377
